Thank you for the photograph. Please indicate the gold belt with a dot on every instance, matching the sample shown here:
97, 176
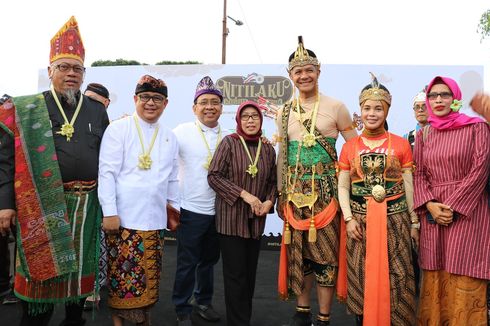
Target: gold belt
79, 186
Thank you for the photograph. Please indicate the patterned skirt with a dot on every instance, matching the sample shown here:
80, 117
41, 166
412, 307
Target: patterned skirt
402, 282
324, 251
449, 299
134, 261
84, 215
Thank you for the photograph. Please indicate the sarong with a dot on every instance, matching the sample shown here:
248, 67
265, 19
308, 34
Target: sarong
134, 261
402, 284
84, 215
450, 299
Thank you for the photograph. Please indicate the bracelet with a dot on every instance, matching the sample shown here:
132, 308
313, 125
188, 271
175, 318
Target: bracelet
415, 226
348, 218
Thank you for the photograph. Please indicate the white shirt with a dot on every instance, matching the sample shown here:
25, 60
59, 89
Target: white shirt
137, 196
195, 193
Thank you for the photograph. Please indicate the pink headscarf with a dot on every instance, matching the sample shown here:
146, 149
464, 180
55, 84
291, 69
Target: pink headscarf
452, 120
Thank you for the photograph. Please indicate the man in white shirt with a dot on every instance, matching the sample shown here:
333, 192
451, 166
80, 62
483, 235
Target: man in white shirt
138, 170
197, 240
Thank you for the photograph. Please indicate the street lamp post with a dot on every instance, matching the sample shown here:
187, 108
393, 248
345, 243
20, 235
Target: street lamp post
225, 32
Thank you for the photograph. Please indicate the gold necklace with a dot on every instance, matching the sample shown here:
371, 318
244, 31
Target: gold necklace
252, 168
309, 139
372, 143
210, 155
67, 128
144, 160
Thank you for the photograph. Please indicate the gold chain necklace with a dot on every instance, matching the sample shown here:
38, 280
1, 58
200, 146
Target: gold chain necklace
67, 128
144, 160
309, 139
252, 168
210, 155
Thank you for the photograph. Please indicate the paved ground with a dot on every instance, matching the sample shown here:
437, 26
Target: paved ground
268, 310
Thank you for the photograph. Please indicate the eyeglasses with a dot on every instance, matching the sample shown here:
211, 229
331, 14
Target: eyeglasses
245, 117
157, 99
443, 95
64, 67
420, 108
209, 103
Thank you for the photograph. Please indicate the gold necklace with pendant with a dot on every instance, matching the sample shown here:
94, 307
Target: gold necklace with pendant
67, 128
144, 160
252, 168
309, 139
210, 155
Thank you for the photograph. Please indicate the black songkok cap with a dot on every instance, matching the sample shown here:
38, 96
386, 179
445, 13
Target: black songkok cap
148, 83
98, 89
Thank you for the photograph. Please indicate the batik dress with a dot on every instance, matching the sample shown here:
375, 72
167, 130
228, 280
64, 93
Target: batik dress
371, 162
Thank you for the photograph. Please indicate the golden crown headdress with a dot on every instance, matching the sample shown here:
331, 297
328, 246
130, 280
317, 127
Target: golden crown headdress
302, 57
374, 92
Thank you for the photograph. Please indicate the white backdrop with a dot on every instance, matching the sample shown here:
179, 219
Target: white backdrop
343, 82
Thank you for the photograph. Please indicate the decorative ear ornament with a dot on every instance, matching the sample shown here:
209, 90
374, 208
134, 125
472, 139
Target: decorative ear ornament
456, 105
357, 122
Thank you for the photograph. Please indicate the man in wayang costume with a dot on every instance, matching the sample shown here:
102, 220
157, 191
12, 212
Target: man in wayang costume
308, 128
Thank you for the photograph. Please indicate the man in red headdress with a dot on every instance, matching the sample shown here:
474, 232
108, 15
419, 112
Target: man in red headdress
51, 148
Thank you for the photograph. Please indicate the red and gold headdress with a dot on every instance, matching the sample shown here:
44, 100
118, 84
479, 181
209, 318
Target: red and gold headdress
67, 43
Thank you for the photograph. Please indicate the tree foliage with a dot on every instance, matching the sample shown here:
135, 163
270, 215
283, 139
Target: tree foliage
117, 62
484, 25
166, 62
124, 62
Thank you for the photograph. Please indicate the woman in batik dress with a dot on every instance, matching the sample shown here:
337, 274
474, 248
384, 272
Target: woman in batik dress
452, 158
376, 197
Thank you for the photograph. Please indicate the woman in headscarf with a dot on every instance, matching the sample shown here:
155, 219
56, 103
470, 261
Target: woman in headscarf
452, 157
376, 197
243, 175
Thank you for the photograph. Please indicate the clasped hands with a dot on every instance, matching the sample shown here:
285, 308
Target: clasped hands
258, 208
441, 213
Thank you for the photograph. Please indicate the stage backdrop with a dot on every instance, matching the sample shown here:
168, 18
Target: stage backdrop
244, 82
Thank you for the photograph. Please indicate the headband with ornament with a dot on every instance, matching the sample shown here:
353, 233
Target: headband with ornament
375, 91
302, 56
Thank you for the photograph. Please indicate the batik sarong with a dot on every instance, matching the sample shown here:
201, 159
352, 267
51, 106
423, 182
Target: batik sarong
464, 305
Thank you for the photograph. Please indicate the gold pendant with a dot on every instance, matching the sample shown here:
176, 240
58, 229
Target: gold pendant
252, 170
301, 200
379, 193
67, 130
145, 162
208, 163
309, 140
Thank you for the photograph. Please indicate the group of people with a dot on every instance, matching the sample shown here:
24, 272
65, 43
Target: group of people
351, 222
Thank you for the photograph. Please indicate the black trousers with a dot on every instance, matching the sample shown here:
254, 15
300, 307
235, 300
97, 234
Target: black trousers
240, 257
73, 315
4, 263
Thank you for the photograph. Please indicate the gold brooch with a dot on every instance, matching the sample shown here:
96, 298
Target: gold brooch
67, 130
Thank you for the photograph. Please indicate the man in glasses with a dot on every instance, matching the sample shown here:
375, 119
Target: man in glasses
137, 180
197, 240
51, 186
421, 115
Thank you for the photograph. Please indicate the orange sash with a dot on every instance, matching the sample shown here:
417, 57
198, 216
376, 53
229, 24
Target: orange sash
376, 271
322, 219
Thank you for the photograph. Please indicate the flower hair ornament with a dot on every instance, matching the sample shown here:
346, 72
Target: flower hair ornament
456, 105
